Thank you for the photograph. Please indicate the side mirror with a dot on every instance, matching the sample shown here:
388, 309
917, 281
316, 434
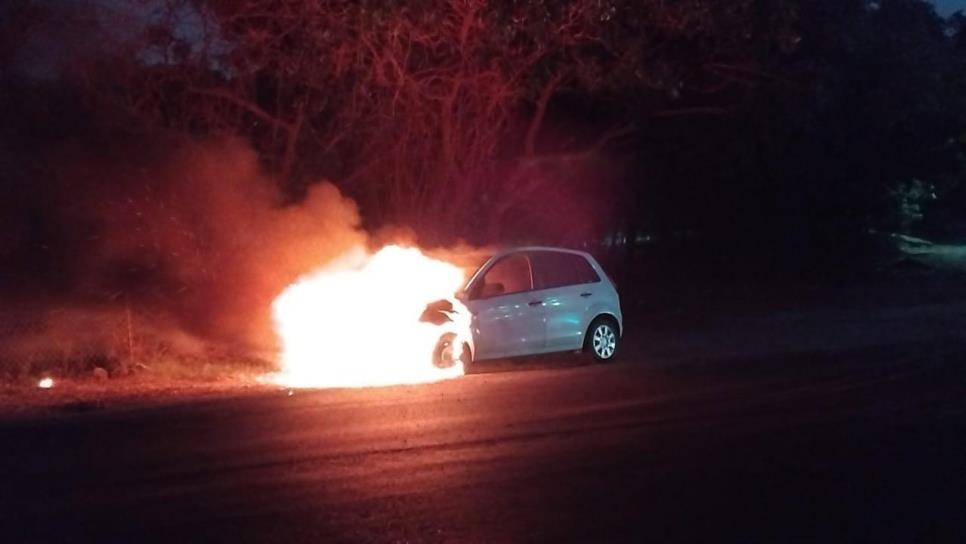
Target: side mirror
492, 290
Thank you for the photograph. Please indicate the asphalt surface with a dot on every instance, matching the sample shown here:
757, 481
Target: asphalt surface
852, 446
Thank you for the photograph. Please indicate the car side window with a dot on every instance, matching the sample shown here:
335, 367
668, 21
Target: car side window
556, 269
585, 272
511, 274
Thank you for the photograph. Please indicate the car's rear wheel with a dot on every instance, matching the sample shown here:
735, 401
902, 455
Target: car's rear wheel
602, 339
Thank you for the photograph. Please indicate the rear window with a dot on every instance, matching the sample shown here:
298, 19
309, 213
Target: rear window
555, 269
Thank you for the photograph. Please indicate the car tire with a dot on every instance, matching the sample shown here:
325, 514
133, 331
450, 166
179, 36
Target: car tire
603, 339
443, 353
467, 358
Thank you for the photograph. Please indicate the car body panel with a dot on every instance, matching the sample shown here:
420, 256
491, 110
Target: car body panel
563, 319
509, 324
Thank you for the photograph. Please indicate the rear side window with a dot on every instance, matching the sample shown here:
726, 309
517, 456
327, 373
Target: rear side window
555, 269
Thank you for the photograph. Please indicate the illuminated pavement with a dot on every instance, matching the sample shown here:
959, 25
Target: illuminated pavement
860, 446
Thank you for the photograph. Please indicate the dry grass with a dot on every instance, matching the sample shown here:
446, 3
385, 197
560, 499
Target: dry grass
73, 342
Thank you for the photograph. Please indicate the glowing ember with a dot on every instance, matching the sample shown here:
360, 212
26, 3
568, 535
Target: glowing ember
45, 383
355, 322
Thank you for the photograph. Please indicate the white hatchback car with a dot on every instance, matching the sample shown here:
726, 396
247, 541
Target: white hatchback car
534, 300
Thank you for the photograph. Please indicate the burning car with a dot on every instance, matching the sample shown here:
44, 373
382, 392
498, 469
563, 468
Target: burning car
529, 301
362, 320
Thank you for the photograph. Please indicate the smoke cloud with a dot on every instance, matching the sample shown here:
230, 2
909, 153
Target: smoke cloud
155, 246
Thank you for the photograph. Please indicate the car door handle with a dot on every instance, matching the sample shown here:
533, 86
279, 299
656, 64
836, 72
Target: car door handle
585, 295
536, 302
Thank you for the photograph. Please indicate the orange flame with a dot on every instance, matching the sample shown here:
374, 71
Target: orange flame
355, 322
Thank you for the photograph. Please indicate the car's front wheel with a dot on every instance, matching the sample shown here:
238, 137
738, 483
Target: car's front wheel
602, 339
448, 352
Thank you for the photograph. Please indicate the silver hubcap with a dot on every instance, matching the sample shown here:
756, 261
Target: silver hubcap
445, 355
605, 341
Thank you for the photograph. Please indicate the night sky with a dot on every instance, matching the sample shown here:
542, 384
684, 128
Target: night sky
945, 7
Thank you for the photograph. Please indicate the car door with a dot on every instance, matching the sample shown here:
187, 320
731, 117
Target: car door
506, 320
566, 283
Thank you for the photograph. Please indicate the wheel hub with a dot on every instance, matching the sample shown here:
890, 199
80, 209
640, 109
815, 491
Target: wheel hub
604, 341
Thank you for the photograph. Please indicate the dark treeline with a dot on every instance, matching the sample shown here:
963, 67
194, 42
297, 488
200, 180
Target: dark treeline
799, 125
145, 142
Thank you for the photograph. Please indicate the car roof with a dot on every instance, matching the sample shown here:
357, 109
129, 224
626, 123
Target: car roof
521, 249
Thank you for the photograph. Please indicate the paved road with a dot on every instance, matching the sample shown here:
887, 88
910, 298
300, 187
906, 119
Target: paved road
865, 446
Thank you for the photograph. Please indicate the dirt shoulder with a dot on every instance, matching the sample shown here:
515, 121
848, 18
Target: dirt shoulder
76, 396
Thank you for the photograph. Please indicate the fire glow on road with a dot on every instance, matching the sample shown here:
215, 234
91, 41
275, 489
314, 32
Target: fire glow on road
355, 322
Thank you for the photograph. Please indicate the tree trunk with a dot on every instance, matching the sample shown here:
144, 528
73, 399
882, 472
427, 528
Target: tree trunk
293, 133
530, 143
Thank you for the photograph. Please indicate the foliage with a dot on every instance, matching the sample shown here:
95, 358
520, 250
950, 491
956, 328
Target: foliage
871, 98
782, 120
908, 200
430, 111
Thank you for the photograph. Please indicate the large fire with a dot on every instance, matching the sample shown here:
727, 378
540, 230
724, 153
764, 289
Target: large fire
356, 321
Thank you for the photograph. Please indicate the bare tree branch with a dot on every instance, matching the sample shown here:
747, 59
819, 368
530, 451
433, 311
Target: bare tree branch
246, 105
549, 88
